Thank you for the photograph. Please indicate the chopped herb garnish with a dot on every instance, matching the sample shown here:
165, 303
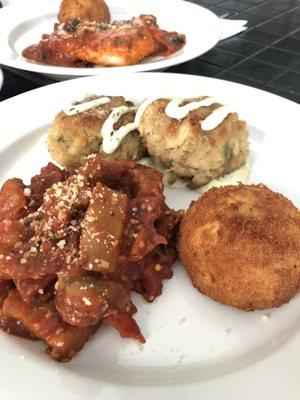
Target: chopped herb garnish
177, 41
103, 27
72, 25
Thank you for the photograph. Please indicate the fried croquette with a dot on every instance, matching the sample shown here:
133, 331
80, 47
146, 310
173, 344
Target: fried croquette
241, 246
72, 138
86, 10
187, 150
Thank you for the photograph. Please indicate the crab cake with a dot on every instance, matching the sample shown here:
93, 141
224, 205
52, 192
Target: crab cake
73, 137
241, 246
86, 10
189, 151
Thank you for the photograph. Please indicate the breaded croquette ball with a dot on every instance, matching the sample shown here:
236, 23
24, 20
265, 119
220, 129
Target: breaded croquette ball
86, 10
186, 149
240, 246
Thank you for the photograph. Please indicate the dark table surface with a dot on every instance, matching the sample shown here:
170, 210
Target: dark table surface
266, 56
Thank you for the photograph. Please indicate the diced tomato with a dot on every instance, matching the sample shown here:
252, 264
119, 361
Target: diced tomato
49, 175
12, 199
103, 227
44, 322
126, 326
33, 266
114, 174
36, 291
14, 327
5, 287
86, 300
62, 201
96, 242
146, 180
11, 232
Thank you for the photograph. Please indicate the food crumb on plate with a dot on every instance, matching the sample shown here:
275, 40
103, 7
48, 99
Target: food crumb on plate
226, 332
265, 317
181, 321
178, 361
141, 347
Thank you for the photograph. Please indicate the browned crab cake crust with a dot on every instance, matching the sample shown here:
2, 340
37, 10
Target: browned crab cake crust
189, 151
72, 138
241, 246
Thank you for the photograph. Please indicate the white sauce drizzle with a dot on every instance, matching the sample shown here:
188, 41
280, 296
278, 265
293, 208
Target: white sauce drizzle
112, 138
216, 118
241, 174
87, 105
175, 110
142, 108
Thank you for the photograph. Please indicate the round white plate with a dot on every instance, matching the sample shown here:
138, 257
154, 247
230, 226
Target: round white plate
1, 78
23, 23
196, 348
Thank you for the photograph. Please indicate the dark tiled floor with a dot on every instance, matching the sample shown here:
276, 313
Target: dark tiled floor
259, 36
290, 44
264, 11
277, 57
296, 67
289, 18
270, 48
14, 85
253, 2
221, 58
231, 76
296, 35
241, 46
266, 56
289, 80
279, 5
276, 27
197, 67
253, 20
257, 70
235, 5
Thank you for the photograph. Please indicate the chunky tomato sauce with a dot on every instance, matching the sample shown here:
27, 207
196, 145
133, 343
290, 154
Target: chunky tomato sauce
75, 243
77, 43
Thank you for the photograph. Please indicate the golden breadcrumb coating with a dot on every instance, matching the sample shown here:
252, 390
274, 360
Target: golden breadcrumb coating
241, 246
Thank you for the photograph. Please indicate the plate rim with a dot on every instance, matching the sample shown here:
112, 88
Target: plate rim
1, 78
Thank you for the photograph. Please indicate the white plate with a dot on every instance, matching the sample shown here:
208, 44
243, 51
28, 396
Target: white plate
23, 23
196, 348
1, 78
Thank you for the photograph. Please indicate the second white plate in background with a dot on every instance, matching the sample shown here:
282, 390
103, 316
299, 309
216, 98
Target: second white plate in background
24, 22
